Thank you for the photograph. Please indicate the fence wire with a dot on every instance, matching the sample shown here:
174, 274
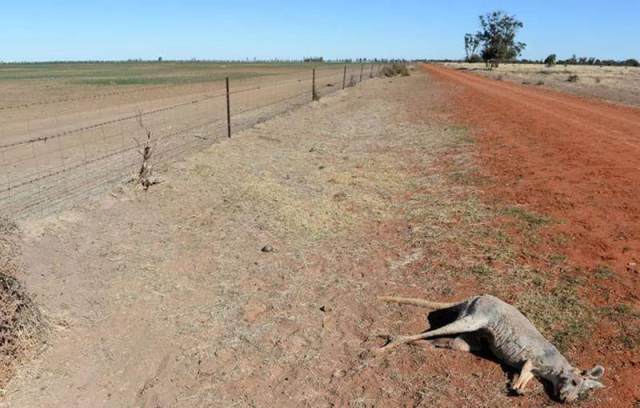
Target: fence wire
44, 170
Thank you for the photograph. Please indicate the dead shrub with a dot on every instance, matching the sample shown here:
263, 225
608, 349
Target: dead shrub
22, 326
145, 173
395, 69
573, 78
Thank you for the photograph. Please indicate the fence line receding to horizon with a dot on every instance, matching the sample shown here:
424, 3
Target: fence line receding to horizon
42, 170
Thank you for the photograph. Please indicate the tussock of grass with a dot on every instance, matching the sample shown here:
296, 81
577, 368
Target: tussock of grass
530, 218
557, 259
466, 177
482, 270
556, 310
603, 272
573, 78
395, 70
628, 319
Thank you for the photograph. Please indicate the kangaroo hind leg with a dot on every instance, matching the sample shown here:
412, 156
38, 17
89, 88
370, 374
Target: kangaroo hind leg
459, 343
463, 325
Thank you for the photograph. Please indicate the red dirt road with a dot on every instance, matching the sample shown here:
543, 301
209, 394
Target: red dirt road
577, 161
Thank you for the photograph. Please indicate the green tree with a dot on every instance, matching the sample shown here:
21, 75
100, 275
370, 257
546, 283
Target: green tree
550, 60
497, 36
632, 63
471, 44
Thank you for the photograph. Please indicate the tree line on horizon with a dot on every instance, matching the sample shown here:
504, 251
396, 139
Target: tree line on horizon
495, 42
221, 61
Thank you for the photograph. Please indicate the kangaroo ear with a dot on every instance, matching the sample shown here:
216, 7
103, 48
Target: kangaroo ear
590, 384
595, 373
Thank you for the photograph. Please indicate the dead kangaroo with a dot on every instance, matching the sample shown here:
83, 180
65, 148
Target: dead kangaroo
511, 337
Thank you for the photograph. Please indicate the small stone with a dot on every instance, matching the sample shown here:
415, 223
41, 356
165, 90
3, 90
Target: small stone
632, 267
267, 249
339, 373
323, 309
340, 197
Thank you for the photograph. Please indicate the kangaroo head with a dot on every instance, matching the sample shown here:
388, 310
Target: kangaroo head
575, 383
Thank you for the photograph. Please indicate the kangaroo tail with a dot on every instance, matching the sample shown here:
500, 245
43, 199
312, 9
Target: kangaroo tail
416, 302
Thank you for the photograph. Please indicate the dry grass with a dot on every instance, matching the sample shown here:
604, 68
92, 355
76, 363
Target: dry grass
22, 326
619, 84
395, 70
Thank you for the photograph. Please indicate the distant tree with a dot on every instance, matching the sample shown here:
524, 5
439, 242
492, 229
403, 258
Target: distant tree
550, 60
632, 62
497, 36
471, 44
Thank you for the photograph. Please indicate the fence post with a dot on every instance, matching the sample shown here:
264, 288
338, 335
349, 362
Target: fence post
314, 94
361, 71
344, 77
371, 72
228, 109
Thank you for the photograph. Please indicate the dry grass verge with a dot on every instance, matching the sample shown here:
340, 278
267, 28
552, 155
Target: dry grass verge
22, 326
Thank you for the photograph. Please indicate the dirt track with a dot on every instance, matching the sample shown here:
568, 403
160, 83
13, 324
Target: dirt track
576, 160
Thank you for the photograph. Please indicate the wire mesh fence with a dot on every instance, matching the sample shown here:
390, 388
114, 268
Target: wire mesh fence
44, 171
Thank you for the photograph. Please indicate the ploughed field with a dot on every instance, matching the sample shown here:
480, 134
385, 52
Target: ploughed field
71, 127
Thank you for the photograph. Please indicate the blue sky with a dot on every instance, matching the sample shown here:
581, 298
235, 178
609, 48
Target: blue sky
39, 30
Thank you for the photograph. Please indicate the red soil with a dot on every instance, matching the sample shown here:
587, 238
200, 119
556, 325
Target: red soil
577, 161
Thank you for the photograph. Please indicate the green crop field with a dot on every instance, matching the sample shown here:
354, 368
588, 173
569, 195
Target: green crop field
143, 73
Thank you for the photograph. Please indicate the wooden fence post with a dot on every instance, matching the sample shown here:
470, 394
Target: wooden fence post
344, 77
228, 109
314, 93
361, 71
371, 72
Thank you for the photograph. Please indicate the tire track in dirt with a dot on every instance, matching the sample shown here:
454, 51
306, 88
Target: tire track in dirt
575, 160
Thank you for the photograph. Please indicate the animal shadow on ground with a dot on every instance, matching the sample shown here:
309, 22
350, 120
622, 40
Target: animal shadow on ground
442, 317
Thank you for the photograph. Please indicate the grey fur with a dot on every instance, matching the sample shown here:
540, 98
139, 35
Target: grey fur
512, 338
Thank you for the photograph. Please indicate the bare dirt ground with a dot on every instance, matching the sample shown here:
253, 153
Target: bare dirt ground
575, 161
616, 84
165, 298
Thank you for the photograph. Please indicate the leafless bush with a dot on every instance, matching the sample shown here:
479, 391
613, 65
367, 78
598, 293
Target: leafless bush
573, 78
145, 172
